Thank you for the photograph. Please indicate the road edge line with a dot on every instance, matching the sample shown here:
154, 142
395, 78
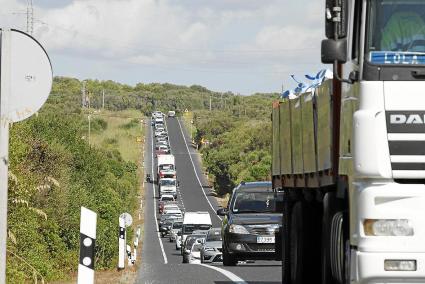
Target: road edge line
194, 169
233, 277
164, 255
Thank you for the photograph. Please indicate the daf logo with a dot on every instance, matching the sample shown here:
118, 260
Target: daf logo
407, 119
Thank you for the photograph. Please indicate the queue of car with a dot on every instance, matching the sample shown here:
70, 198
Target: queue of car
250, 220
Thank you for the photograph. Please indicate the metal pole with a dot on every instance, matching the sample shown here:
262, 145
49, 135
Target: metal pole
89, 117
4, 145
210, 102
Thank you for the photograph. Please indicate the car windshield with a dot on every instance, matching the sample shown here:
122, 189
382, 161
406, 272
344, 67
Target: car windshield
189, 228
166, 167
168, 182
167, 198
255, 202
396, 32
214, 236
177, 225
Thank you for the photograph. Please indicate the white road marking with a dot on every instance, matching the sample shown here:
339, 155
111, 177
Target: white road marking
155, 206
194, 169
233, 277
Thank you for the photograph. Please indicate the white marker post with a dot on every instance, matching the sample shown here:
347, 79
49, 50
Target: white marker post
88, 221
125, 220
121, 244
26, 81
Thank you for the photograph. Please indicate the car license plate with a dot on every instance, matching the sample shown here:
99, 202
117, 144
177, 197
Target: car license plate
265, 240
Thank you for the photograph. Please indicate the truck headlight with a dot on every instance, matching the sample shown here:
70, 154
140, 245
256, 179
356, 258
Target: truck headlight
381, 227
238, 229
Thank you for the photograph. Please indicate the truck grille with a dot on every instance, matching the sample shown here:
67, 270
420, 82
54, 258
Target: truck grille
407, 152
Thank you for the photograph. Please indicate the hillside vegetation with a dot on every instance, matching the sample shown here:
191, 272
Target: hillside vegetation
238, 141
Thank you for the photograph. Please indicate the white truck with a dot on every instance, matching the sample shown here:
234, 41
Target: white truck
165, 163
194, 221
350, 155
168, 186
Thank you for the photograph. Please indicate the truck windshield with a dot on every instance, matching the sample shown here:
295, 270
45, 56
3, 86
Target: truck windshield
168, 182
189, 228
255, 202
396, 32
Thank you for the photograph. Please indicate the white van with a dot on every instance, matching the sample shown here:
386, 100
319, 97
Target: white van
171, 113
195, 221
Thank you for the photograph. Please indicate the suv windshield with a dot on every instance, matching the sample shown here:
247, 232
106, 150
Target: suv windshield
255, 202
168, 182
396, 32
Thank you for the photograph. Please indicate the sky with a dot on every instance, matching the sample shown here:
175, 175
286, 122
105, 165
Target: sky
242, 46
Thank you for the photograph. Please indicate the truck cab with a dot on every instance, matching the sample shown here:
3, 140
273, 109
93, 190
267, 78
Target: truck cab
379, 62
349, 154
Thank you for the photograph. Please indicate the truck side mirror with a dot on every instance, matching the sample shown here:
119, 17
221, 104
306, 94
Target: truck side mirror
336, 18
334, 50
222, 212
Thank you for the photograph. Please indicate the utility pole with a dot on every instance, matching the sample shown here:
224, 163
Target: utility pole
210, 102
30, 17
89, 117
103, 99
83, 95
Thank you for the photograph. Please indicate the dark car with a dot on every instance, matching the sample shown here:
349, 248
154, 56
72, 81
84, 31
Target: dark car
250, 222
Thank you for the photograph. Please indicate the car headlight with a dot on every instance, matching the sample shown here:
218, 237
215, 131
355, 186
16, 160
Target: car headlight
209, 249
381, 227
238, 229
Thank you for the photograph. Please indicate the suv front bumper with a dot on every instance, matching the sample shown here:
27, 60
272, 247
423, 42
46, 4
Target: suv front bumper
246, 247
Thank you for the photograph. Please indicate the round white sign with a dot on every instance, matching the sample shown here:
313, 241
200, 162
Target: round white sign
30, 75
128, 220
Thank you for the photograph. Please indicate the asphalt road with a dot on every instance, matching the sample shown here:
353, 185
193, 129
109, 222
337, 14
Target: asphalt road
161, 262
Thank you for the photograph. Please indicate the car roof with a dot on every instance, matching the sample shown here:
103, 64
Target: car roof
255, 186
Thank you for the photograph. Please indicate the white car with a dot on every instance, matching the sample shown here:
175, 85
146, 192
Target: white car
195, 253
174, 230
178, 240
159, 132
171, 206
173, 212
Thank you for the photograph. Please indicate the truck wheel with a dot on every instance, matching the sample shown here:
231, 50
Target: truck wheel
304, 250
335, 243
228, 260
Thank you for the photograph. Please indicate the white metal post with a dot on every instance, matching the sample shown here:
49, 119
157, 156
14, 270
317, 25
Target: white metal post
88, 221
121, 244
4, 145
